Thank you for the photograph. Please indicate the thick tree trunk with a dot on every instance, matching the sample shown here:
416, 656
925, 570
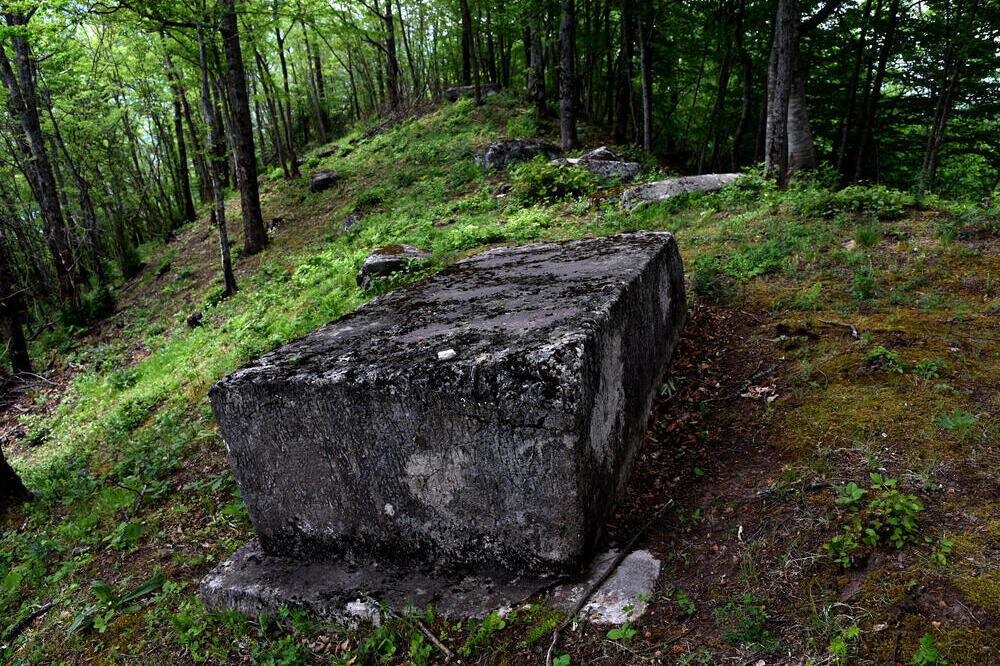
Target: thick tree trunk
779, 86
567, 75
255, 235
801, 149
12, 490
218, 201
623, 94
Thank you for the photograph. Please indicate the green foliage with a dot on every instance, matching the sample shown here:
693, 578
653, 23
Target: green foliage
842, 642
881, 357
927, 654
877, 200
890, 518
743, 622
958, 421
109, 604
708, 280
623, 633
539, 181
863, 283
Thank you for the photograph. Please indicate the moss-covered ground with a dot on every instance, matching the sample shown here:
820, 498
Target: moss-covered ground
835, 338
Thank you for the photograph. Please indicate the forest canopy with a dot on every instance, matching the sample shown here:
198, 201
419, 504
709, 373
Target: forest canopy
122, 118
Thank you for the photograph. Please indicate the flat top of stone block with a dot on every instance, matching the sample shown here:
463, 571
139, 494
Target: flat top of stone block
527, 300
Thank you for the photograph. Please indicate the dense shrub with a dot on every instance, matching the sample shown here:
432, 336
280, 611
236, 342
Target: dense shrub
539, 181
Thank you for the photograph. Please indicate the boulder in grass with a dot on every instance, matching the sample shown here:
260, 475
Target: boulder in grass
664, 189
458, 92
605, 163
390, 259
323, 179
500, 154
483, 419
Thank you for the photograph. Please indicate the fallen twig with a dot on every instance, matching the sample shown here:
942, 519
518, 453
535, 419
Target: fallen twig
19, 628
895, 645
854, 331
589, 592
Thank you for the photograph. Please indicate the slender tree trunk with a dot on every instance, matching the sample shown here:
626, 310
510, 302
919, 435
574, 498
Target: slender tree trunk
847, 121
314, 89
536, 73
187, 202
219, 204
873, 97
11, 317
255, 235
567, 75
285, 105
468, 39
623, 95
391, 63
746, 65
646, 74
23, 101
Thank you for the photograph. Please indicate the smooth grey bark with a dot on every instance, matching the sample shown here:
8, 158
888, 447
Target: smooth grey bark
536, 73
646, 75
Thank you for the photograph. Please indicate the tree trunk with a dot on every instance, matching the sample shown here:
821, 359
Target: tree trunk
871, 103
11, 318
567, 75
847, 121
801, 149
285, 106
12, 490
623, 95
747, 66
468, 39
219, 204
187, 202
23, 102
255, 235
646, 75
536, 73
779, 86
391, 63
314, 89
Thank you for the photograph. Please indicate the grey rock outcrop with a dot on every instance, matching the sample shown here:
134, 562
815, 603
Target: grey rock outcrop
362, 440
664, 189
390, 259
605, 163
509, 151
323, 179
458, 92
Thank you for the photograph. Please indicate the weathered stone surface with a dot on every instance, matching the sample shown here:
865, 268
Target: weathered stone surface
629, 586
323, 179
329, 152
664, 189
361, 440
194, 319
389, 259
605, 163
458, 92
252, 582
501, 153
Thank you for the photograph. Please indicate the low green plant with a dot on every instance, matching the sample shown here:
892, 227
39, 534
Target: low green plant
842, 642
868, 234
863, 284
623, 633
879, 356
743, 622
539, 181
930, 368
685, 603
927, 654
109, 604
958, 421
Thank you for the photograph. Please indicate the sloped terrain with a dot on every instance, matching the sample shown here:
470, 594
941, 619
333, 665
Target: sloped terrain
828, 434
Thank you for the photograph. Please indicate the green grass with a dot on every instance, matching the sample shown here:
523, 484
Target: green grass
127, 466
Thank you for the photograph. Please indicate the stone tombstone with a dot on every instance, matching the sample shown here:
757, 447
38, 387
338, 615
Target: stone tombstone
483, 418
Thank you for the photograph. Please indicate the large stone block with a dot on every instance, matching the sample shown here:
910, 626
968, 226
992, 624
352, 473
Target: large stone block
486, 416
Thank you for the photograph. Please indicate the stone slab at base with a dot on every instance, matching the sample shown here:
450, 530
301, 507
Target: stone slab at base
252, 582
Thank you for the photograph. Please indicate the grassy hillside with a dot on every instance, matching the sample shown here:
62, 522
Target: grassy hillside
828, 434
